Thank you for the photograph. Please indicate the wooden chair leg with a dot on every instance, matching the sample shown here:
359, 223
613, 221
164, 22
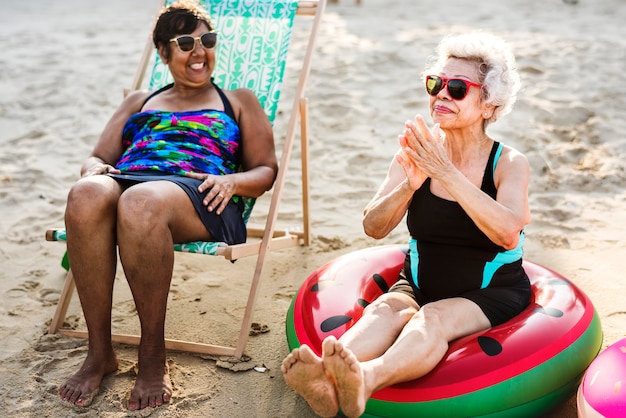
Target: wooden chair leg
64, 303
56, 326
244, 332
304, 148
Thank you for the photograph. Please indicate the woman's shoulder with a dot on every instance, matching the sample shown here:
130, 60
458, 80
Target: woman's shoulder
511, 153
135, 100
245, 104
241, 96
131, 105
512, 160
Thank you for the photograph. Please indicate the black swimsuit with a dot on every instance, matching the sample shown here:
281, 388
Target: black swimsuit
449, 256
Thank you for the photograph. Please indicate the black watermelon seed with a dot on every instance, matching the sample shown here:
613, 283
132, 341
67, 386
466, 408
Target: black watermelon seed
333, 322
380, 281
490, 346
362, 302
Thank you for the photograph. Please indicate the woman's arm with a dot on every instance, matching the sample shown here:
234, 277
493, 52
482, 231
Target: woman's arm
388, 206
108, 149
257, 141
258, 159
390, 203
501, 219
258, 156
392, 200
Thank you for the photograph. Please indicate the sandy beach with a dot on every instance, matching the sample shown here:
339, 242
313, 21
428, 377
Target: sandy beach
65, 64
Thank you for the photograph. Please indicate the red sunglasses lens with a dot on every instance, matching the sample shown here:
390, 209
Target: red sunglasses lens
433, 85
457, 88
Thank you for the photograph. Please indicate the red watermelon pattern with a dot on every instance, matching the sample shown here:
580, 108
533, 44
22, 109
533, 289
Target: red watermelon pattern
537, 358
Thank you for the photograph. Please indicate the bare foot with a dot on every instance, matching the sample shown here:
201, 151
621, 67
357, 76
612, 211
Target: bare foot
344, 367
83, 386
153, 388
304, 372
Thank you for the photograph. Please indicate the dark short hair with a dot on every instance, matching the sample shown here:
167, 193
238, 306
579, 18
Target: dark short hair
180, 17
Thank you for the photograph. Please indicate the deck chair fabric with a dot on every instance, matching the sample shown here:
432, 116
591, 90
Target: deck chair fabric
255, 61
253, 43
267, 44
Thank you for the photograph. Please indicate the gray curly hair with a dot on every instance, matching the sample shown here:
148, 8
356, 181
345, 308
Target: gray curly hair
496, 67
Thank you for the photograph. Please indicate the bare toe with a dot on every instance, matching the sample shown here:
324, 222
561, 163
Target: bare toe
153, 388
346, 370
304, 372
83, 386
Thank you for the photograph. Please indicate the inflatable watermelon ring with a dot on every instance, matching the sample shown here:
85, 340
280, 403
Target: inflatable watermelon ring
518, 369
602, 393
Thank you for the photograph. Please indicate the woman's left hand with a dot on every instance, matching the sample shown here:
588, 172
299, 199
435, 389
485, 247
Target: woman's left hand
424, 147
220, 190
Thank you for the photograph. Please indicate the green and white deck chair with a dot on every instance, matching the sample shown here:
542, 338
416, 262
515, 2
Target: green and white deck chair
254, 38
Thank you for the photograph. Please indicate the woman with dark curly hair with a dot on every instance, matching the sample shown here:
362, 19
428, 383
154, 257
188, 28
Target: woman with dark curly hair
169, 167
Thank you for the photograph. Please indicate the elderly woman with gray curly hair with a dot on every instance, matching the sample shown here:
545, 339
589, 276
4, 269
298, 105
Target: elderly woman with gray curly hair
465, 198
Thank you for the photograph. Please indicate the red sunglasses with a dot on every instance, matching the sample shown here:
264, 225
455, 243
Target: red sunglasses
457, 87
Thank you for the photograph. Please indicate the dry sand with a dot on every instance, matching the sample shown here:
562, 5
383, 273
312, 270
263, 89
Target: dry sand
62, 70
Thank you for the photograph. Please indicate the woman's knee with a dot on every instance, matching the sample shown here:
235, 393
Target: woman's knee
392, 305
437, 322
141, 208
91, 199
431, 315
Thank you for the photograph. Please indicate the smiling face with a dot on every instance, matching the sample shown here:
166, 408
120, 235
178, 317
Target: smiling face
458, 114
194, 68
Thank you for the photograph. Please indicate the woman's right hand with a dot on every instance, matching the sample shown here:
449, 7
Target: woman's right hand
100, 168
407, 156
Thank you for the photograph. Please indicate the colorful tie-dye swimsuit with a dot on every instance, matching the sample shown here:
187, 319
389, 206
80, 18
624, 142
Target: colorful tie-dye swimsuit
163, 145
202, 141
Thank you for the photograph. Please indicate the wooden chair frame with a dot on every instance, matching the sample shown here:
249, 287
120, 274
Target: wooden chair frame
270, 238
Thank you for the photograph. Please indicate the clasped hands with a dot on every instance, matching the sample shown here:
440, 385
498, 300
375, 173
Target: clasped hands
422, 153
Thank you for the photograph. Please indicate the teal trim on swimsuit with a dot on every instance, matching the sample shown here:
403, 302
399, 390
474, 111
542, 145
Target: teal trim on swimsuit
415, 259
506, 257
496, 157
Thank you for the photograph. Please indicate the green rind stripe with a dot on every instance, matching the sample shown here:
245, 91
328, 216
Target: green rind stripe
496, 400
533, 408
570, 365
292, 338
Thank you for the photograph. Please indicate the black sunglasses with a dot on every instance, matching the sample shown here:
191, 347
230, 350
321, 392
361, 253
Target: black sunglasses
187, 43
457, 87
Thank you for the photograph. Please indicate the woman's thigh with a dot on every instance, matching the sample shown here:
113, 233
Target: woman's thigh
385, 318
452, 318
163, 203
